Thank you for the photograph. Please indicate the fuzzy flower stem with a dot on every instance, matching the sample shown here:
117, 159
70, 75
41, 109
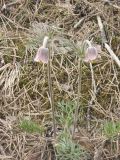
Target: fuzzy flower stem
88, 42
94, 90
51, 92
93, 79
45, 41
92, 100
78, 95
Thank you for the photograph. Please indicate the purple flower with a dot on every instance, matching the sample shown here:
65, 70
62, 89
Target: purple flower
43, 52
42, 55
92, 53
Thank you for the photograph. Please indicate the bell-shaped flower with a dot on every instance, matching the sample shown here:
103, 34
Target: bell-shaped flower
43, 52
42, 55
92, 52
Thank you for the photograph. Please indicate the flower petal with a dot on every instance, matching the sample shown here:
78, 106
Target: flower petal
42, 55
91, 54
98, 47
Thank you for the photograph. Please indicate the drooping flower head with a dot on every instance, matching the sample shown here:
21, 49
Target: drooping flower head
91, 53
43, 52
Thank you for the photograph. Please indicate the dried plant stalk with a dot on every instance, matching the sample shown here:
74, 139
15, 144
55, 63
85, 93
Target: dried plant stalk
112, 54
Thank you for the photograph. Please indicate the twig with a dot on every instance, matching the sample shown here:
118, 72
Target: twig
79, 95
5, 157
51, 94
78, 23
104, 39
10, 4
108, 2
112, 54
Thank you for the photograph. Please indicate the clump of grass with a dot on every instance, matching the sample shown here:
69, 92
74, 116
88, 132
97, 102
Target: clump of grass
65, 113
111, 129
67, 149
30, 126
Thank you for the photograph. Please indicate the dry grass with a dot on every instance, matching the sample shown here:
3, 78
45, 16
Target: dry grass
23, 83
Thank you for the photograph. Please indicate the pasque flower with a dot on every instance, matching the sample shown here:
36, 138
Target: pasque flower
43, 52
92, 52
43, 55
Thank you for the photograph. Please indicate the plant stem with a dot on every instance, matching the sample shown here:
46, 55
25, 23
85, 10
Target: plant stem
88, 42
51, 94
45, 41
78, 95
92, 99
93, 79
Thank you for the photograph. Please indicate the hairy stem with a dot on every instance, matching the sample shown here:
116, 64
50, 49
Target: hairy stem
51, 94
45, 41
88, 42
78, 95
92, 100
93, 79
